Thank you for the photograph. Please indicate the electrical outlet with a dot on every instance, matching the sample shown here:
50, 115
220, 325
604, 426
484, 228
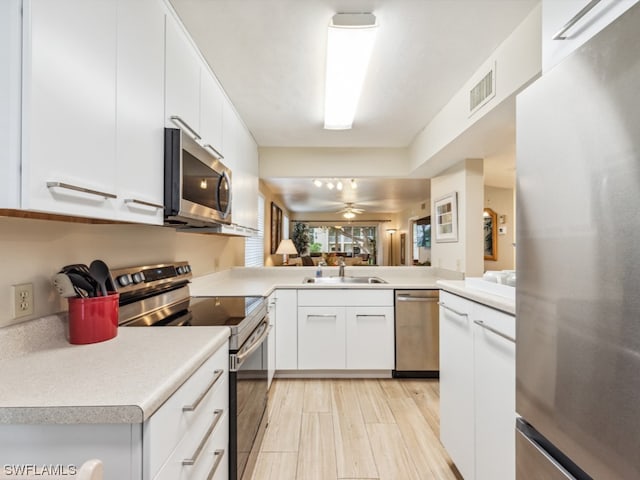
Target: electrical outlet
22, 300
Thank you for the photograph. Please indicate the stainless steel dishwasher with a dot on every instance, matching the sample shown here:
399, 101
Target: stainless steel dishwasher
417, 333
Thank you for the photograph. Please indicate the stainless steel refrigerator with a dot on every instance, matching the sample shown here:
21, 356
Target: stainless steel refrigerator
578, 260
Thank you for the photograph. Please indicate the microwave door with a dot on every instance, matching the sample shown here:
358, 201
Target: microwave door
224, 195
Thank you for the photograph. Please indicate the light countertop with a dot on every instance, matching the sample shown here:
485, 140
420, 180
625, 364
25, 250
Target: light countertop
462, 288
262, 281
122, 380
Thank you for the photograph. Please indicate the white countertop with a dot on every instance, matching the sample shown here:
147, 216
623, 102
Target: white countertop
462, 288
122, 380
262, 281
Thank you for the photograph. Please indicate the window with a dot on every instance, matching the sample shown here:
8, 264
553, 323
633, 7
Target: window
421, 239
254, 246
285, 227
350, 241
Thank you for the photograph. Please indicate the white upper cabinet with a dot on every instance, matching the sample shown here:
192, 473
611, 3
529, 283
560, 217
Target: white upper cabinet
140, 111
211, 101
555, 15
69, 111
182, 76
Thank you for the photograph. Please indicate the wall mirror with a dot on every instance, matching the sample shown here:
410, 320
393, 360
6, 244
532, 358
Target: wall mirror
490, 234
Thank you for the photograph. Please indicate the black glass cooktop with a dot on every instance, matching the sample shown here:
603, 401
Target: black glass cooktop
224, 311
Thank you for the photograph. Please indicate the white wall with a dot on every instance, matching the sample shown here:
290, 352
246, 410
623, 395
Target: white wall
467, 254
502, 201
517, 60
32, 251
340, 162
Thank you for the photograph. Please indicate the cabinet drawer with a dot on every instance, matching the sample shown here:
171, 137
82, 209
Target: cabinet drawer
165, 429
494, 321
345, 297
213, 457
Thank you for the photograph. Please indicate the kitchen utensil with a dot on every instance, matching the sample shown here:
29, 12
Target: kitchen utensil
100, 272
64, 286
80, 282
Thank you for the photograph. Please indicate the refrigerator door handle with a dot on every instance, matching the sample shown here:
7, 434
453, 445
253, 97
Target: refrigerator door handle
575, 19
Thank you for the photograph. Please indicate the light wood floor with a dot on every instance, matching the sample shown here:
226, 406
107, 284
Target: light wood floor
352, 429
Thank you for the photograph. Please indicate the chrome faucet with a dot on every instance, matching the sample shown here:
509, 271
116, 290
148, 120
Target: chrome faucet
341, 270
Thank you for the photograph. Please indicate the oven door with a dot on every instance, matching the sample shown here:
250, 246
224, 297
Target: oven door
247, 398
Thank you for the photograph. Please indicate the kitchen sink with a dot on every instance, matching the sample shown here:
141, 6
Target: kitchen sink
336, 279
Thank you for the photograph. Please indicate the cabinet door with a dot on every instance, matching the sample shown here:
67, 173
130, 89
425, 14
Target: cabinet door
287, 330
495, 387
140, 111
321, 338
369, 338
456, 382
182, 77
211, 99
69, 110
272, 303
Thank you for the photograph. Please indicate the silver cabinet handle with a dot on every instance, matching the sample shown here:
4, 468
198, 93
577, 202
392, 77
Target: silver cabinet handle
321, 315
142, 202
217, 414
358, 315
213, 151
177, 120
576, 18
461, 314
480, 323
216, 376
219, 454
76, 188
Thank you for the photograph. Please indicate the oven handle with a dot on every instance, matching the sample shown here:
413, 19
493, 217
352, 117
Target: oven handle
237, 359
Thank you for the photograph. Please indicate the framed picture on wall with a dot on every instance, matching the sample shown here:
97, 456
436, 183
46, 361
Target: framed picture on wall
446, 221
276, 227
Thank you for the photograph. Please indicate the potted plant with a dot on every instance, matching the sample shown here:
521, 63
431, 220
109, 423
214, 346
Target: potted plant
300, 238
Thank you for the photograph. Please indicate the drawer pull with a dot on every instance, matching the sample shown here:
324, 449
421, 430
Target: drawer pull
219, 454
461, 314
216, 376
217, 414
321, 315
75, 188
142, 202
480, 323
364, 315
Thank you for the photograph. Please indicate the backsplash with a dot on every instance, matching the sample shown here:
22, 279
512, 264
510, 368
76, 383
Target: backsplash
32, 251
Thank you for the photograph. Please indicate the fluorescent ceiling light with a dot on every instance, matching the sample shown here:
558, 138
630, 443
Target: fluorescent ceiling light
349, 46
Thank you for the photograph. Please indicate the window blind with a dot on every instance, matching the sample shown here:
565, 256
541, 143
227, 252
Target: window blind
254, 246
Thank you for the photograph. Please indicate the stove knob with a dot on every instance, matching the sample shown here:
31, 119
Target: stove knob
187, 268
137, 277
124, 280
180, 270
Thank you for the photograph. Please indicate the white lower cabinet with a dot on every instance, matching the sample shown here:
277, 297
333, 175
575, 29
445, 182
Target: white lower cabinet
272, 306
456, 383
186, 438
286, 322
181, 439
321, 338
477, 388
345, 329
495, 393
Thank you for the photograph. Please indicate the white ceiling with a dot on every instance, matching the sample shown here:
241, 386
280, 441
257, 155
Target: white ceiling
269, 56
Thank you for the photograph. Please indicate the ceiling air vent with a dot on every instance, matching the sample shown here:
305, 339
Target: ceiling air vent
483, 91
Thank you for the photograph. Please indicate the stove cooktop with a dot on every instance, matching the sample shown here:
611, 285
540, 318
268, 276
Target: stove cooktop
241, 314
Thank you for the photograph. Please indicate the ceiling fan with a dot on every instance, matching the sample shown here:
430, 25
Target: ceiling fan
350, 211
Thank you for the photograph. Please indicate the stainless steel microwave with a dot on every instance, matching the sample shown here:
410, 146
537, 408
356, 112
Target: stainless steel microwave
197, 185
